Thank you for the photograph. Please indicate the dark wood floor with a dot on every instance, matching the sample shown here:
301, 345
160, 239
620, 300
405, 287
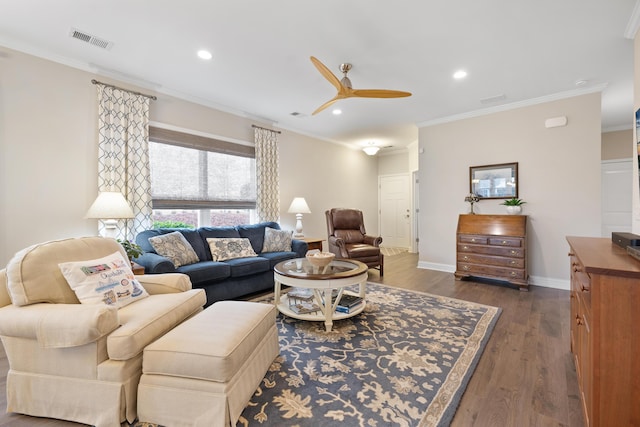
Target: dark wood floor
525, 377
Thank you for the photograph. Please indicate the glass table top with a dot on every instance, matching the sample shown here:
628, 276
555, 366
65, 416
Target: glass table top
302, 268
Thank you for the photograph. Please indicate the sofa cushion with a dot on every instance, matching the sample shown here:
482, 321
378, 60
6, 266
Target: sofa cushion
248, 266
225, 249
206, 271
192, 236
255, 233
150, 318
33, 274
107, 280
276, 257
175, 247
215, 233
276, 240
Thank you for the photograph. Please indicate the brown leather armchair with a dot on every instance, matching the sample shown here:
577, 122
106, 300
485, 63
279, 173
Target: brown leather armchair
348, 238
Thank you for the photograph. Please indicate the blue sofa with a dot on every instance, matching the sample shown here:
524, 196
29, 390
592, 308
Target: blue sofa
222, 280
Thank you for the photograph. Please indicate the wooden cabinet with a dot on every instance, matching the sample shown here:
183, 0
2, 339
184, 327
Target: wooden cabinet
137, 269
312, 243
605, 340
493, 247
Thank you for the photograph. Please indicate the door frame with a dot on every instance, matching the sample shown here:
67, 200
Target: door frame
411, 195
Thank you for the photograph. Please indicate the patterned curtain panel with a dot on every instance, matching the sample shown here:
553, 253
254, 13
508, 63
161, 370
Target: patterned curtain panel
267, 185
123, 154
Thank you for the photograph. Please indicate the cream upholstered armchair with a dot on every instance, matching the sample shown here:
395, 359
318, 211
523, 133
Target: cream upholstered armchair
81, 362
348, 238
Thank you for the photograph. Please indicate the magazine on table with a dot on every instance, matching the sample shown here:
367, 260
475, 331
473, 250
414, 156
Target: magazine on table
349, 309
304, 307
301, 294
348, 300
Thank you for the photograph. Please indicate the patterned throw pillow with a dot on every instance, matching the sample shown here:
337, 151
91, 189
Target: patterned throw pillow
175, 247
230, 248
276, 240
108, 280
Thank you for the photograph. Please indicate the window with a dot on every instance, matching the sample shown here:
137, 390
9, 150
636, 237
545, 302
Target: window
199, 181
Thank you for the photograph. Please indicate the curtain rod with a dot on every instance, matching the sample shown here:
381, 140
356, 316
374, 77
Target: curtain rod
260, 127
95, 82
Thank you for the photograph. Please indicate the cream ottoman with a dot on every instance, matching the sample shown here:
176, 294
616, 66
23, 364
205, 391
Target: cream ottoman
204, 371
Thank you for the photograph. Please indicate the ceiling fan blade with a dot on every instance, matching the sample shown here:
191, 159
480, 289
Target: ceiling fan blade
327, 73
325, 105
379, 93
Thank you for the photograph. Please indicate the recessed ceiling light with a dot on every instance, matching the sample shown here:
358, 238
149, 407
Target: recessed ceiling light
204, 54
337, 112
460, 74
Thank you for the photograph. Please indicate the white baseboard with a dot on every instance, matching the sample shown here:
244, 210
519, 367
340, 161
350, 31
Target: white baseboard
438, 267
545, 282
549, 282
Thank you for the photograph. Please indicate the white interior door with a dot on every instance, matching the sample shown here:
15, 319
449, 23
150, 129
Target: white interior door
617, 180
395, 210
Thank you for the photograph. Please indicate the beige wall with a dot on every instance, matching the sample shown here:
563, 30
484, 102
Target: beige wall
559, 178
327, 175
392, 164
48, 155
617, 145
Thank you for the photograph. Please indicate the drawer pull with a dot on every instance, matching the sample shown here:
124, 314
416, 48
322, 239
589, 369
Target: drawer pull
465, 267
583, 289
514, 252
514, 274
465, 248
514, 262
466, 258
578, 321
473, 240
504, 242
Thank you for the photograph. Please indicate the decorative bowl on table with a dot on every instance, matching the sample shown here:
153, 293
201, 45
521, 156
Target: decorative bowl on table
320, 259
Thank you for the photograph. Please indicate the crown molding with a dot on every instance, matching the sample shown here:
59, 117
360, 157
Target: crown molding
618, 128
514, 105
633, 23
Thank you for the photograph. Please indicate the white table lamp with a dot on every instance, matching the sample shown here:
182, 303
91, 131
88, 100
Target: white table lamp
299, 206
110, 206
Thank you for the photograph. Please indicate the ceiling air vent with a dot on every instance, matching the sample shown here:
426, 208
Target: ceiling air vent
91, 39
492, 99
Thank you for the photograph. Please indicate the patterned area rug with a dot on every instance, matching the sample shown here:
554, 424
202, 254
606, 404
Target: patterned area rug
404, 361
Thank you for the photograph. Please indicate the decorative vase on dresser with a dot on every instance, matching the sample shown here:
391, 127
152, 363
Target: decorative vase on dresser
605, 339
493, 247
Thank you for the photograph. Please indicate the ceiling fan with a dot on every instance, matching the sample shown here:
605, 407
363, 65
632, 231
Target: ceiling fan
345, 90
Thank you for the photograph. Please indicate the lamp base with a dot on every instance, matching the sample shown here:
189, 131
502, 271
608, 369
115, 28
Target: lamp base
110, 228
298, 234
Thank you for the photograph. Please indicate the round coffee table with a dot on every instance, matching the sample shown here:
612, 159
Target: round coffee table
322, 282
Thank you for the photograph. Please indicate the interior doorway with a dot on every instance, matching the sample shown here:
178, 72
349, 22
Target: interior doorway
617, 188
395, 210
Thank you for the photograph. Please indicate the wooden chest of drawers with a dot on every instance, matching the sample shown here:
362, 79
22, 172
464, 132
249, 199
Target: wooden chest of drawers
493, 247
605, 296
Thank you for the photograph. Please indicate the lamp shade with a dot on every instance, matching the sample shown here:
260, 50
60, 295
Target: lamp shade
299, 205
110, 205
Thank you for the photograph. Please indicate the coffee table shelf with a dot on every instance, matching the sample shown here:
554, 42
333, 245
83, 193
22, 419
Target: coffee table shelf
337, 275
319, 315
